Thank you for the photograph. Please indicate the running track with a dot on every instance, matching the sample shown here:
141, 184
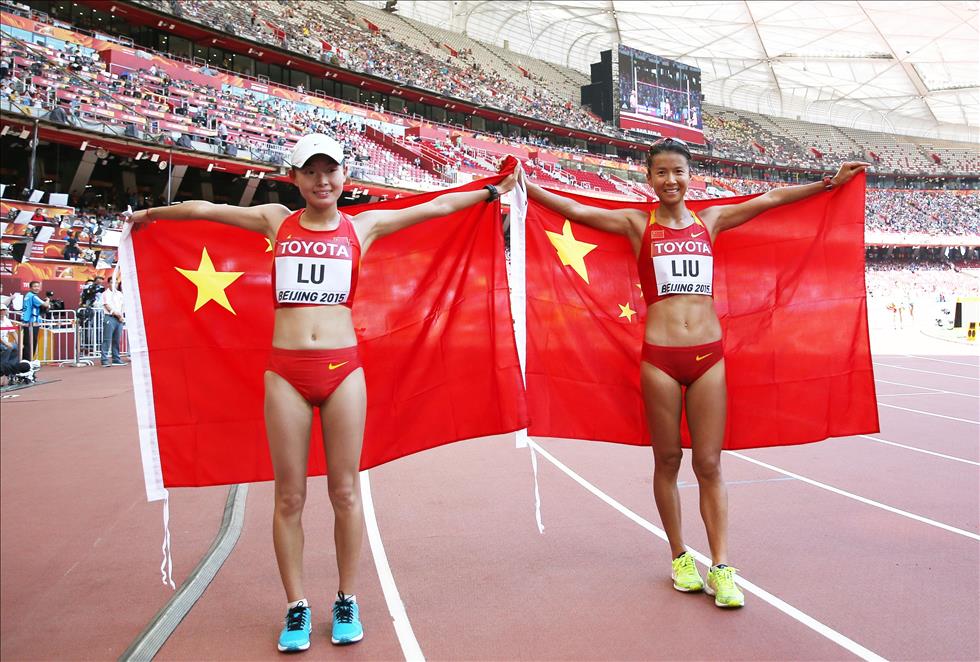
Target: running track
862, 548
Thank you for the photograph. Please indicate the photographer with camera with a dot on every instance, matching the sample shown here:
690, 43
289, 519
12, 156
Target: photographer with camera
90, 313
54, 303
112, 304
31, 318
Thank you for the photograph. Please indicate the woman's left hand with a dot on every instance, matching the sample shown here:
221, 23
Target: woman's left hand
507, 183
847, 172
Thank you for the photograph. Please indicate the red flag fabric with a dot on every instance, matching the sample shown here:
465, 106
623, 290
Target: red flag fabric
789, 290
432, 314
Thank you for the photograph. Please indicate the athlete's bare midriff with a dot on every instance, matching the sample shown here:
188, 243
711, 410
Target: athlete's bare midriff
682, 320
313, 327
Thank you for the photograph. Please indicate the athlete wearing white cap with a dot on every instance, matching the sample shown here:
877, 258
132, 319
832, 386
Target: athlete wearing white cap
314, 361
313, 144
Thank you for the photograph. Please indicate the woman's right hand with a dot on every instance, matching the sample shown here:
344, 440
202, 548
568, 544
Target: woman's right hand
141, 216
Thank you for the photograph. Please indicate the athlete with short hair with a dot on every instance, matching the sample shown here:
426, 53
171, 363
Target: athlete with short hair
314, 360
683, 359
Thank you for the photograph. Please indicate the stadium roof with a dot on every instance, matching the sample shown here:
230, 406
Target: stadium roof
906, 67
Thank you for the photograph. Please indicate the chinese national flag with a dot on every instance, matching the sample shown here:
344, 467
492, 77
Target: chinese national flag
432, 315
789, 290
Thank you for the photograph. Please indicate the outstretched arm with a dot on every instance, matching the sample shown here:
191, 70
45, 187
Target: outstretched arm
726, 217
382, 222
263, 219
619, 221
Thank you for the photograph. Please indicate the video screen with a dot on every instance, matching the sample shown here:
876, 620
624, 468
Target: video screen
658, 95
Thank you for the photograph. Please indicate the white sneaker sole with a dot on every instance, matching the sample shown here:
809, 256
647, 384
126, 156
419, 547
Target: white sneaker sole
711, 592
291, 649
678, 587
344, 642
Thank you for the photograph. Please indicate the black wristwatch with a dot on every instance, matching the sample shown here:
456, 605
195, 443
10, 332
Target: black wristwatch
494, 193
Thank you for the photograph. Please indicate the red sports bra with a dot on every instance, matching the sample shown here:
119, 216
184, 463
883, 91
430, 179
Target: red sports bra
315, 267
675, 261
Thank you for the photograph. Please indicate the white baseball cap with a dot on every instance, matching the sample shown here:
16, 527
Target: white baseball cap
315, 143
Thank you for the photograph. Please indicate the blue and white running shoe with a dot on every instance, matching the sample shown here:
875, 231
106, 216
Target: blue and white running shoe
295, 636
346, 621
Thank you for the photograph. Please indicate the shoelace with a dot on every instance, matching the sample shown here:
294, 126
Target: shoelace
725, 576
343, 609
296, 618
686, 562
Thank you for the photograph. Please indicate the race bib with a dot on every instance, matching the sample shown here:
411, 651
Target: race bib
313, 272
683, 274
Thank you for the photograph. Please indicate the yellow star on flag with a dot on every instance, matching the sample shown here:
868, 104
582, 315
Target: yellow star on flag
210, 284
571, 251
626, 311
268, 242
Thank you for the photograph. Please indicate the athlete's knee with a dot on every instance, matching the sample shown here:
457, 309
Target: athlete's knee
707, 467
668, 461
289, 503
344, 496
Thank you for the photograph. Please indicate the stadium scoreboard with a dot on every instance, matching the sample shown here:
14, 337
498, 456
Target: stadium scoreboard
646, 94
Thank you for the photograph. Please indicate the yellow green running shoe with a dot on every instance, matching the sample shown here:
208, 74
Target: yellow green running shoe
685, 574
721, 584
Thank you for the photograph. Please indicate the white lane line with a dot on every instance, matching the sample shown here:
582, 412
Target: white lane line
399, 617
864, 500
929, 413
927, 388
924, 388
929, 358
892, 395
781, 605
920, 450
928, 372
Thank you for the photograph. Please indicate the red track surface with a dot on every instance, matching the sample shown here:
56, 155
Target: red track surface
80, 546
